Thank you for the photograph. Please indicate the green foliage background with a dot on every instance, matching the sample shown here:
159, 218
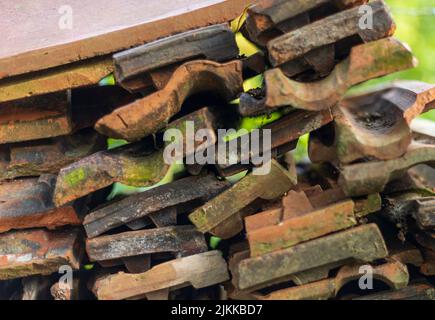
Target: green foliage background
415, 20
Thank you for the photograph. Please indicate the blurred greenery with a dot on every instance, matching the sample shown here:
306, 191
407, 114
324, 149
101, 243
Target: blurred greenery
415, 20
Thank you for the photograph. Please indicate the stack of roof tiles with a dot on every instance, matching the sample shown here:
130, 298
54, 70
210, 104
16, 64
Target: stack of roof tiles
311, 230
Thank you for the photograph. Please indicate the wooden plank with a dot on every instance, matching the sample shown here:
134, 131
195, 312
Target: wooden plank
153, 201
43, 44
386, 56
47, 156
371, 177
180, 240
138, 164
361, 243
27, 203
223, 207
147, 115
216, 43
295, 230
329, 30
38, 252
200, 270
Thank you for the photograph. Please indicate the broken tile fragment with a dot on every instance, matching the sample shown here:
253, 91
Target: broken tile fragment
268, 19
200, 271
35, 118
420, 177
269, 186
412, 97
48, 156
251, 106
364, 243
329, 30
366, 206
405, 253
308, 226
79, 74
150, 114
284, 133
38, 252
153, 202
138, 164
393, 274
216, 43
36, 288
296, 204
424, 212
375, 124
386, 56
59, 113
89, 104
180, 240
27, 203
372, 176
